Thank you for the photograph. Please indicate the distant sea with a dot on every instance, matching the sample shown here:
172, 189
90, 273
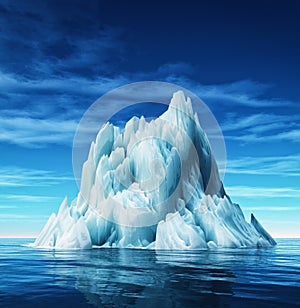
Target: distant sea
129, 277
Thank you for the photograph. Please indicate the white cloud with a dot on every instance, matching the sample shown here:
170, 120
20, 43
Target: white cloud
271, 165
29, 198
246, 93
36, 132
12, 176
271, 208
53, 110
22, 217
67, 98
262, 192
290, 136
260, 122
10, 83
262, 127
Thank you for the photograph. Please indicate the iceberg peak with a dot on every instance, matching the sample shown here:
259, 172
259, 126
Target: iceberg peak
179, 102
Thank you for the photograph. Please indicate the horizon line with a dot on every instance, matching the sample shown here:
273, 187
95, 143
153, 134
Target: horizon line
34, 237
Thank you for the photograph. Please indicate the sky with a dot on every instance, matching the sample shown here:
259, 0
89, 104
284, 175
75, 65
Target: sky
240, 57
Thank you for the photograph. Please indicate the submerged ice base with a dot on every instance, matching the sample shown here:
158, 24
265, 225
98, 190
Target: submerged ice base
155, 185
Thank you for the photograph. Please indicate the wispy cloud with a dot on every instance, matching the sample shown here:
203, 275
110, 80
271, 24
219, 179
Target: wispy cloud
29, 198
259, 122
17, 177
42, 122
62, 85
291, 136
22, 217
263, 192
271, 208
271, 165
262, 127
243, 93
36, 132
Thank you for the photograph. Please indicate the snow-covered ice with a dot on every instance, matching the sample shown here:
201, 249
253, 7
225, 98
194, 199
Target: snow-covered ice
153, 185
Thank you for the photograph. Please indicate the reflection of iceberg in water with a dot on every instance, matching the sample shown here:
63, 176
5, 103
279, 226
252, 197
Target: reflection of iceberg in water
154, 185
144, 277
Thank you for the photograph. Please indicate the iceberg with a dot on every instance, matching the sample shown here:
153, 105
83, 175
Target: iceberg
152, 185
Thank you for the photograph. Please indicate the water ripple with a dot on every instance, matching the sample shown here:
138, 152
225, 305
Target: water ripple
129, 277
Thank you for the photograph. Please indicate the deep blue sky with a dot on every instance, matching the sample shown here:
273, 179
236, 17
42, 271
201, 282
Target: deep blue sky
240, 57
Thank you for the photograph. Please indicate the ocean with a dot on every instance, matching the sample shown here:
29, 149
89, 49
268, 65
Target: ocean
268, 277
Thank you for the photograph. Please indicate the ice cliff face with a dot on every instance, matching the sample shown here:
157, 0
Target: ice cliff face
153, 185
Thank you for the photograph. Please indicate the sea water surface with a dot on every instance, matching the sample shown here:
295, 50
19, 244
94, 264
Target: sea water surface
131, 277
